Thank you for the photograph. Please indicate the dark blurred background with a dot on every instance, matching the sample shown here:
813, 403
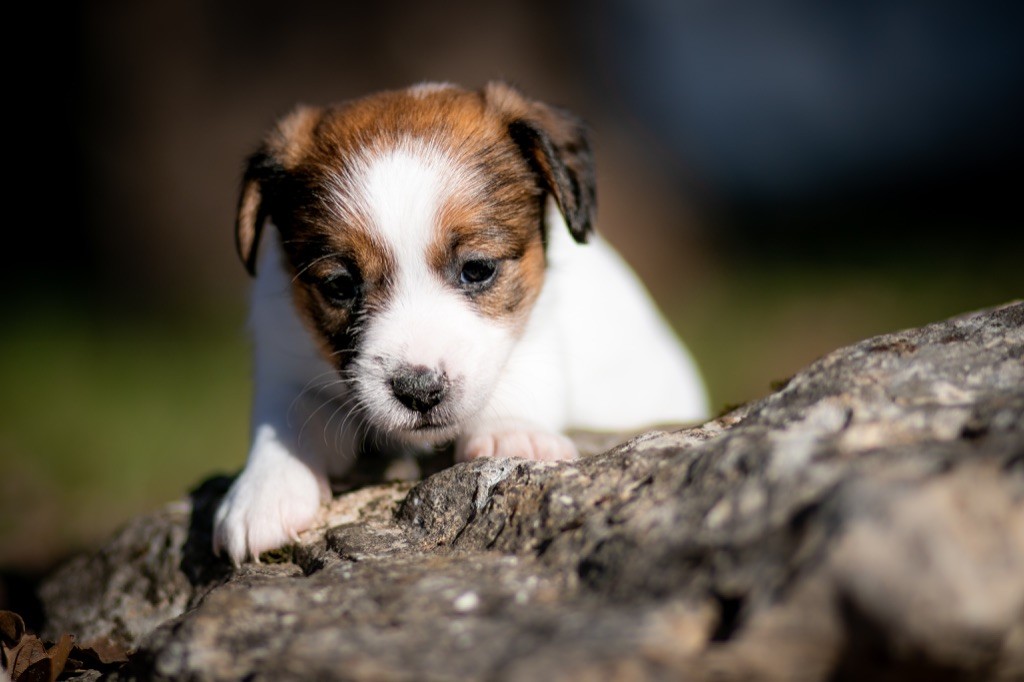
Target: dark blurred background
788, 177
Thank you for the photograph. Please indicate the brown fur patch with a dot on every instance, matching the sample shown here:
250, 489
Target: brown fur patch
503, 226
292, 137
314, 256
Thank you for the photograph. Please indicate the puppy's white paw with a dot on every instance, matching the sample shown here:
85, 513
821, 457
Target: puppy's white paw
267, 507
515, 440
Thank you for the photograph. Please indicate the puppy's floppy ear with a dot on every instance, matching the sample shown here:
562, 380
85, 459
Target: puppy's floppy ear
281, 151
556, 145
252, 210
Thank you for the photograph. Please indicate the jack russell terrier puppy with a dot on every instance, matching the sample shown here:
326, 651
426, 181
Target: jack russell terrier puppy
425, 272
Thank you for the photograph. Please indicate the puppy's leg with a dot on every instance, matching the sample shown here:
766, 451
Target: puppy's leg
527, 412
301, 429
302, 435
510, 438
278, 494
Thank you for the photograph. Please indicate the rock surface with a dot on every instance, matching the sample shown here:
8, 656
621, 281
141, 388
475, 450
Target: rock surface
866, 521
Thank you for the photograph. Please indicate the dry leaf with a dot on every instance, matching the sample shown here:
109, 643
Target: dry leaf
12, 627
27, 652
59, 656
25, 657
40, 671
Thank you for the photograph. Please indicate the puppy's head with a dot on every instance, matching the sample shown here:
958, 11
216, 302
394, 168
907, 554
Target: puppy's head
412, 224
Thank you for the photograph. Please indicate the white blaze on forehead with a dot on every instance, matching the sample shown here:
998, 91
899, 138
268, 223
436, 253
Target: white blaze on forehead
429, 88
403, 192
398, 193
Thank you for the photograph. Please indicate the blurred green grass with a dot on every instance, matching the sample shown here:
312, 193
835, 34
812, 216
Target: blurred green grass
104, 417
752, 326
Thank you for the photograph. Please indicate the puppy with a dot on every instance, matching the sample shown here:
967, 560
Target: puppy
426, 271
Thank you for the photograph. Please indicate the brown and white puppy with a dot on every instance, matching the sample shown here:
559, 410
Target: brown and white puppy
426, 271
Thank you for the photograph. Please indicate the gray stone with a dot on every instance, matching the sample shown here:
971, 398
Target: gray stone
866, 521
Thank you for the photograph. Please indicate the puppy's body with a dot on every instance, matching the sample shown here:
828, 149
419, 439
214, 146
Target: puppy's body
425, 281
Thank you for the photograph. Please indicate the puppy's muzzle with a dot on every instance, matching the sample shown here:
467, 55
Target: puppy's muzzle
419, 388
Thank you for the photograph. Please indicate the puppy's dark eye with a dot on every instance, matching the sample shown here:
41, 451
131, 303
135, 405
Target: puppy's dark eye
477, 273
340, 288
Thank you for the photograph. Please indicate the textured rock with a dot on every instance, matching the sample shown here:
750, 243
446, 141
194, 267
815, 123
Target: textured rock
866, 521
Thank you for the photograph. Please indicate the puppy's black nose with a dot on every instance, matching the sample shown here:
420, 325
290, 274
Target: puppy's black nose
419, 388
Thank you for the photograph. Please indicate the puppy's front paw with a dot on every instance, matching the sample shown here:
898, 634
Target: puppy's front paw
515, 440
267, 507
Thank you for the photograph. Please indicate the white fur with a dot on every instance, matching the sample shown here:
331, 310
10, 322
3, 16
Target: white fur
595, 354
428, 88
